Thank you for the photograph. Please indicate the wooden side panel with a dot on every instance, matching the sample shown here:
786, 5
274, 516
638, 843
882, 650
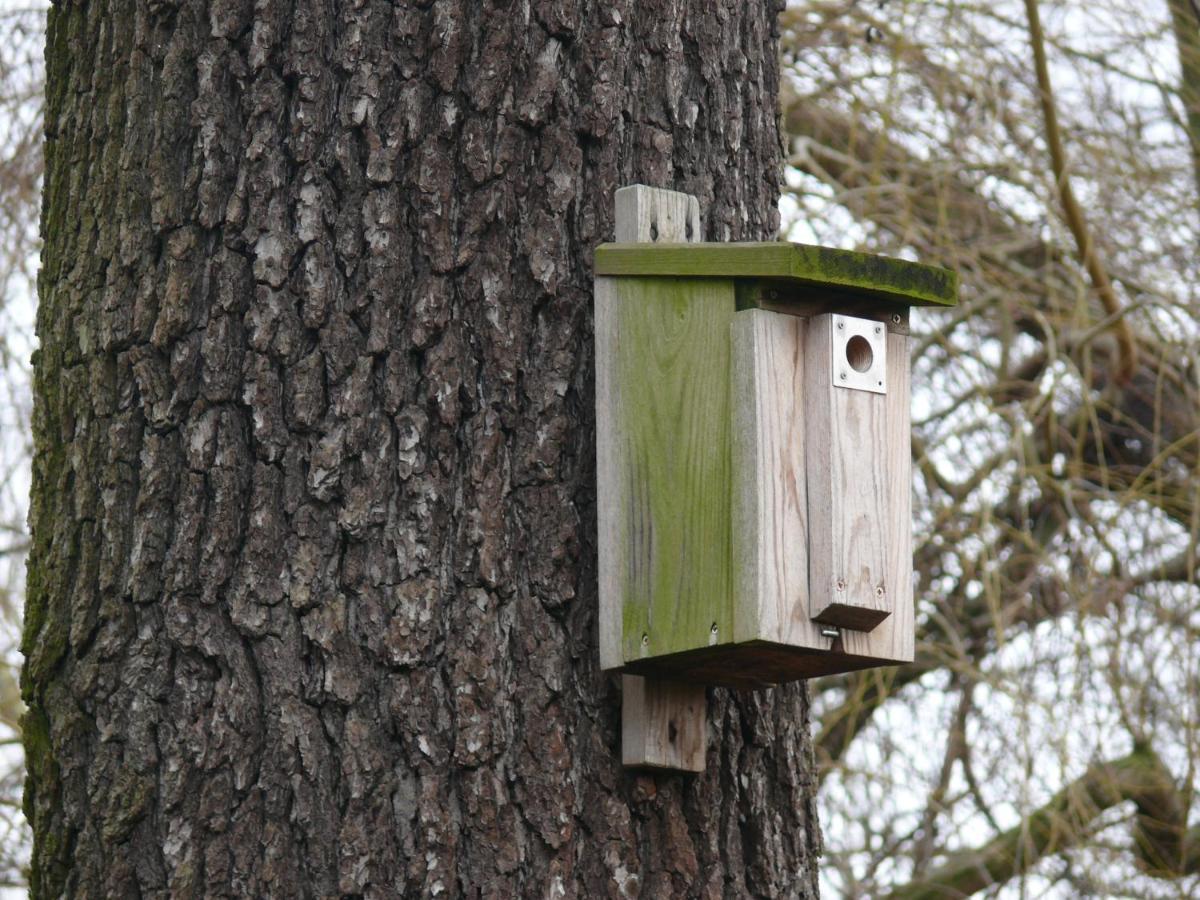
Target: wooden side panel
851, 472
663, 724
643, 214
668, 469
610, 463
770, 495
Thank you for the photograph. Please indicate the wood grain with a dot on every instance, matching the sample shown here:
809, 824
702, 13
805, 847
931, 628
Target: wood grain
672, 433
850, 468
649, 215
610, 464
663, 456
770, 488
663, 722
771, 528
894, 639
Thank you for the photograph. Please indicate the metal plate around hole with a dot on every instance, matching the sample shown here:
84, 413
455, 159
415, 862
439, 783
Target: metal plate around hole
874, 378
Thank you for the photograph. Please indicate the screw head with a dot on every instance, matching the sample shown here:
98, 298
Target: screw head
843, 376
841, 325
878, 329
645, 640
895, 318
879, 592
841, 585
714, 628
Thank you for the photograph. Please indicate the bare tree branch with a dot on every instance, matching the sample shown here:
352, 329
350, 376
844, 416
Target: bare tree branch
1076, 221
1160, 836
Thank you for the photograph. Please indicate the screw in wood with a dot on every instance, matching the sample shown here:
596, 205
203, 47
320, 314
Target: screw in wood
895, 318
879, 592
645, 640
841, 325
843, 376
878, 329
841, 585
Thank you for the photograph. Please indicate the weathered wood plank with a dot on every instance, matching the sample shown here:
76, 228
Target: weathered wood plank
663, 450
882, 277
850, 469
671, 428
770, 487
894, 639
663, 724
610, 464
642, 214
646, 215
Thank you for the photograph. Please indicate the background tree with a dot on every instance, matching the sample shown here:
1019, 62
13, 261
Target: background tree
311, 596
1048, 152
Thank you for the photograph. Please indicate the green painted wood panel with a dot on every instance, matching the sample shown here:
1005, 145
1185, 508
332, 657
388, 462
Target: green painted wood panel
671, 397
881, 277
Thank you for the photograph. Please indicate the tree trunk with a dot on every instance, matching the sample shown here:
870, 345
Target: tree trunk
312, 601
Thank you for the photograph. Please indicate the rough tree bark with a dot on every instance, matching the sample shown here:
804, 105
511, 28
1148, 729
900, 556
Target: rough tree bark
312, 598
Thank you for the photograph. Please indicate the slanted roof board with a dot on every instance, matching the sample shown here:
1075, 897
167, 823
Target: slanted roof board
801, 265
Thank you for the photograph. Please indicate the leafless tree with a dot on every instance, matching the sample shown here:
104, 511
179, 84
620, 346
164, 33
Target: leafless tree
1045, 743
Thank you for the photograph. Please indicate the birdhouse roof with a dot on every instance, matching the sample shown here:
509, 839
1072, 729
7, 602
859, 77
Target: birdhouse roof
797, 270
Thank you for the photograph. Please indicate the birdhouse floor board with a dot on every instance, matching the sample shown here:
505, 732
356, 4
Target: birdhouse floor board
755, 664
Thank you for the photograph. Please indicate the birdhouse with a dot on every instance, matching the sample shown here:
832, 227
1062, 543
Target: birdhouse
753, 454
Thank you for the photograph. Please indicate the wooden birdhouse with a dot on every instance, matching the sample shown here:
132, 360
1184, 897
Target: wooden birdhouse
754, 458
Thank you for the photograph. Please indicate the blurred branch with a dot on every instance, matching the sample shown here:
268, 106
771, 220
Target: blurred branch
956, 743
1163, 844
866, 692
1185, 27
1057, 435
973, 626
1076, 221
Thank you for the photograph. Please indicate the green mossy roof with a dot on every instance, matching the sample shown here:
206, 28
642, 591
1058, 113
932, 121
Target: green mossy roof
910, 283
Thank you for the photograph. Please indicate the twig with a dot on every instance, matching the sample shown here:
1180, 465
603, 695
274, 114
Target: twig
1076, 221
